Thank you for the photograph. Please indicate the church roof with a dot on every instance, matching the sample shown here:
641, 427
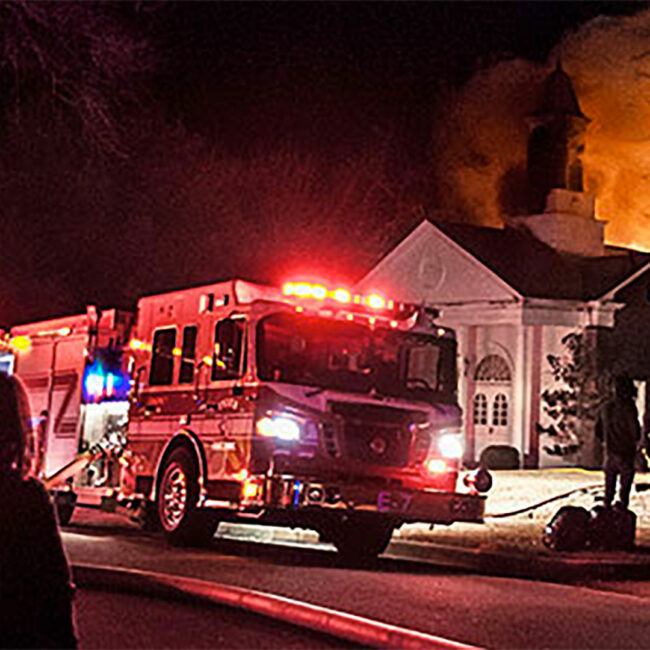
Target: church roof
536, 270
530, 267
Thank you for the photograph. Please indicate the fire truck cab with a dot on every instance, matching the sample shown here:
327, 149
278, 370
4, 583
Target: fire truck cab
306, 407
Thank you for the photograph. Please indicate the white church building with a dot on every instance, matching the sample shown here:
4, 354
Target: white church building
513, 293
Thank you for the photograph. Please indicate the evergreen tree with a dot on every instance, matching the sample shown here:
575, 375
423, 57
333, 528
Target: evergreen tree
572, 403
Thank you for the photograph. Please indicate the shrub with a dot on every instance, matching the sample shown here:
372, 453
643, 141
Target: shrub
500, 457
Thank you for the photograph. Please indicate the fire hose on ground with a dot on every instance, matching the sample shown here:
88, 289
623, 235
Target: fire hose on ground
586, 489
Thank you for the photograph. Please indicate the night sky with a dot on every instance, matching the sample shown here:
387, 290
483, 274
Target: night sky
152, 146
304, 72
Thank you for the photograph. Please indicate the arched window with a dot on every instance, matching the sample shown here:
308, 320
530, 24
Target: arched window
492, 368
480, 409
500, 410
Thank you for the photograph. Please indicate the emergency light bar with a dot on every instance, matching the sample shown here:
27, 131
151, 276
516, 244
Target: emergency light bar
338, 302
373, 302
22, 343
316, 291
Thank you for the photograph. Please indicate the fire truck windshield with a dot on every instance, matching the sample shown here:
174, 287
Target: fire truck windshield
324, 353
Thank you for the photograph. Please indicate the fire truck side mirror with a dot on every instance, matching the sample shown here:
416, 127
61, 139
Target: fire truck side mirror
197, 379
134, 396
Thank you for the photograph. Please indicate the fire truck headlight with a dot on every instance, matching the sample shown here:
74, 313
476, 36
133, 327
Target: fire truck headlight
450, 445
280, 427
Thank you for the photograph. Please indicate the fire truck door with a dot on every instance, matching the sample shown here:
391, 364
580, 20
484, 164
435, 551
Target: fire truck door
228, 432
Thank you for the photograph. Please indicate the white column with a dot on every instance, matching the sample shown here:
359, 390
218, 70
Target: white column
520, 392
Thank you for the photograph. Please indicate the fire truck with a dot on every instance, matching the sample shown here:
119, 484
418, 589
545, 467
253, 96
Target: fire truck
304, 406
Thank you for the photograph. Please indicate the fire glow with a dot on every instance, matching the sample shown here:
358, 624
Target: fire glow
481, 147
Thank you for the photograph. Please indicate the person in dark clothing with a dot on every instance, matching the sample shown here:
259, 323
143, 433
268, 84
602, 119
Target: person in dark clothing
35, 587
618, 427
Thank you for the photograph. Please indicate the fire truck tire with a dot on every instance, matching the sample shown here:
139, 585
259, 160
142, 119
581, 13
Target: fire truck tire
183, 524
359, 539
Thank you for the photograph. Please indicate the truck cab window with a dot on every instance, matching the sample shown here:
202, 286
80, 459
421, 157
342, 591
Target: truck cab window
422, 365
188, 355
162, 361
228, 336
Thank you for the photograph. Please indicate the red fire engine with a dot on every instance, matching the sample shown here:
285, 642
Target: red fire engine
306, 407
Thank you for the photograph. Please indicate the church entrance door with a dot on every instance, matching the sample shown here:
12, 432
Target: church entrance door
492, 403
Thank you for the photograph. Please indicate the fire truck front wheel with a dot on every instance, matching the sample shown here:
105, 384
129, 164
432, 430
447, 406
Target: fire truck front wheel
359, 538
182, 522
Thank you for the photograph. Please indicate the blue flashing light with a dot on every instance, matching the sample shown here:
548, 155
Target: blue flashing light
101, 384
296, 493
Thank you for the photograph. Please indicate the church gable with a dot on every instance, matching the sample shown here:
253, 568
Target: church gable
430, 267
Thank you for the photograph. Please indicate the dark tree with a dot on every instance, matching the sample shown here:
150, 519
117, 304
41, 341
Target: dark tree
572, 404
84, 59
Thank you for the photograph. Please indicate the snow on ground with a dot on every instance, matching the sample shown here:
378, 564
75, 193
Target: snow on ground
513, 490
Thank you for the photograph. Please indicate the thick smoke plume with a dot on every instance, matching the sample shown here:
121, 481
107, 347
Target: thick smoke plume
481, 150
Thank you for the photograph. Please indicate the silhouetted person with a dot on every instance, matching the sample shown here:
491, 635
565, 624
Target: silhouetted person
618, 427
35, 589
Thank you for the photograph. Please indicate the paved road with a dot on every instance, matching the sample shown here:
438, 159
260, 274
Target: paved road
110, 620
479, 610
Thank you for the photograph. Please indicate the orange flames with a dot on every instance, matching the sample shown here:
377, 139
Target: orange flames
481, 144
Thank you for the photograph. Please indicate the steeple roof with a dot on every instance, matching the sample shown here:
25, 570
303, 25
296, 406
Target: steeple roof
559, 97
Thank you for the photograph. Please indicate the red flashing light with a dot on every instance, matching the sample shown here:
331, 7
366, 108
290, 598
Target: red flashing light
375, 301
342, 295
319, 292
302, 290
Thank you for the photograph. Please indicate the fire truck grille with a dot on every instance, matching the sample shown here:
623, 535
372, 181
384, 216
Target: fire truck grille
374, 434
329, 439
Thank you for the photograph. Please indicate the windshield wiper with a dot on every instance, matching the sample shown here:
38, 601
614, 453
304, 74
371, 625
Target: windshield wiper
372, 390
420, 382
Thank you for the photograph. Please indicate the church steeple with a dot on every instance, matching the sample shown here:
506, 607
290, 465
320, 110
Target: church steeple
561, 213
556, 140
559, 97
